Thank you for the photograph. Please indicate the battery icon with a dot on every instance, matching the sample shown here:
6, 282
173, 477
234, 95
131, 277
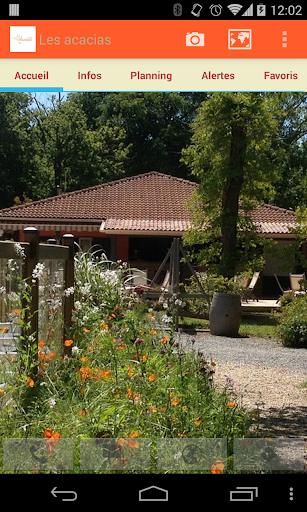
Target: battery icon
261, 10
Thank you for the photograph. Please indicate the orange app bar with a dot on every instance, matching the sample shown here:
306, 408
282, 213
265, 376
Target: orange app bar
152, 39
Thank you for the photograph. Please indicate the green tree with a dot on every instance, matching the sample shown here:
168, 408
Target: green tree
291, 186
71, 155
232, 155
15, 147
156, 126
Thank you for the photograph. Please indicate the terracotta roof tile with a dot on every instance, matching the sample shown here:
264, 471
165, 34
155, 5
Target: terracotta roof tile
272, 219
146, 202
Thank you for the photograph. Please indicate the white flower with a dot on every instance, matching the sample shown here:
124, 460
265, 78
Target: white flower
109, 277
85, 289
19, 250
68, 291
166, 319
177, 455
51, 402
11, 265
38, 271
75, 351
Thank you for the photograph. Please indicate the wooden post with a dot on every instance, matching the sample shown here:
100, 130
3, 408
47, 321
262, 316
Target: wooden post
31, 235
69, 276
176, 275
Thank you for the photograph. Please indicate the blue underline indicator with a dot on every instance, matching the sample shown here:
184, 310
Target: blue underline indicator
31, 89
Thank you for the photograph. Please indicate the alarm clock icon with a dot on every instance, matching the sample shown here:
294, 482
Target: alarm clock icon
215, 9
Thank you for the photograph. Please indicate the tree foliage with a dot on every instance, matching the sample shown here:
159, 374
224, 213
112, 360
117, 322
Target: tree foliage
231, 152
89, 138
15, 145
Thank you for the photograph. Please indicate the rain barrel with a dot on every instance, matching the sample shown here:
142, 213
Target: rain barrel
225, 314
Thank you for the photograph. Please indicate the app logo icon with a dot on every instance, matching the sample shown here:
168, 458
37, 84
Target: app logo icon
239, 39
22, 38
194, 39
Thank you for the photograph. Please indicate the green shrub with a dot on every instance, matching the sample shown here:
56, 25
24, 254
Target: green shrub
292, 327
211, 283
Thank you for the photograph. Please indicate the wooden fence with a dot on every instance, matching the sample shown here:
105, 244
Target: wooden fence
34, 253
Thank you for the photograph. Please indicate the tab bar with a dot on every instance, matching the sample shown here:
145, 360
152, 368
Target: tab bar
153, 75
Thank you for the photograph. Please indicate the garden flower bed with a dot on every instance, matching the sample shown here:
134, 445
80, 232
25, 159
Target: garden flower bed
121, 375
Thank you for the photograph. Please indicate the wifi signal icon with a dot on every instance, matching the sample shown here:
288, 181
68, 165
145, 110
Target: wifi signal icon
235, 8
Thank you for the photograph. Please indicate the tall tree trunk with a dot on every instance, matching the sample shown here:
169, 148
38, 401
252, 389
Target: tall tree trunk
230, 203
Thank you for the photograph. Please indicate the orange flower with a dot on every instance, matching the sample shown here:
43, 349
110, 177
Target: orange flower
130, 372
217, 468
145, 357
84, 358
104, 326
165, 340
231, 404
68, 343
133, 434
86, 372
51, 355
198, 421
16, 311
152, 377
120, 441
4, 330
152, 409
30, 382
133, 396
41, 345
104, 374
133, 444
48, 433
51, 440
83, 412
153, 331
86, 330
175, 401
151, 314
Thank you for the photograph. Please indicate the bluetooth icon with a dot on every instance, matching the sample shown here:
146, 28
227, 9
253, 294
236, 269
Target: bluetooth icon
177, 9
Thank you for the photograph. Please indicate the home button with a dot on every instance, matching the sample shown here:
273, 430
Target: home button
153, 493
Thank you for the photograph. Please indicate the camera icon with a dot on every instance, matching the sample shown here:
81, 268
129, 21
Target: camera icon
194, 39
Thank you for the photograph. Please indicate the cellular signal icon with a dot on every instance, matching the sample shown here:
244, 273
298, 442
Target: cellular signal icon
249, 11
234, 8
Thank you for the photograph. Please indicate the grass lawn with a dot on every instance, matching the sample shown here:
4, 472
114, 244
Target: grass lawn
261, 325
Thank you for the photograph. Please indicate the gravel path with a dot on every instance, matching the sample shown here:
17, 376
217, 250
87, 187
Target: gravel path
267, 378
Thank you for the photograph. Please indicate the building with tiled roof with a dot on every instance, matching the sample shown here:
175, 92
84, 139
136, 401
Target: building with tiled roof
147, 203
134, 218
272, 220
